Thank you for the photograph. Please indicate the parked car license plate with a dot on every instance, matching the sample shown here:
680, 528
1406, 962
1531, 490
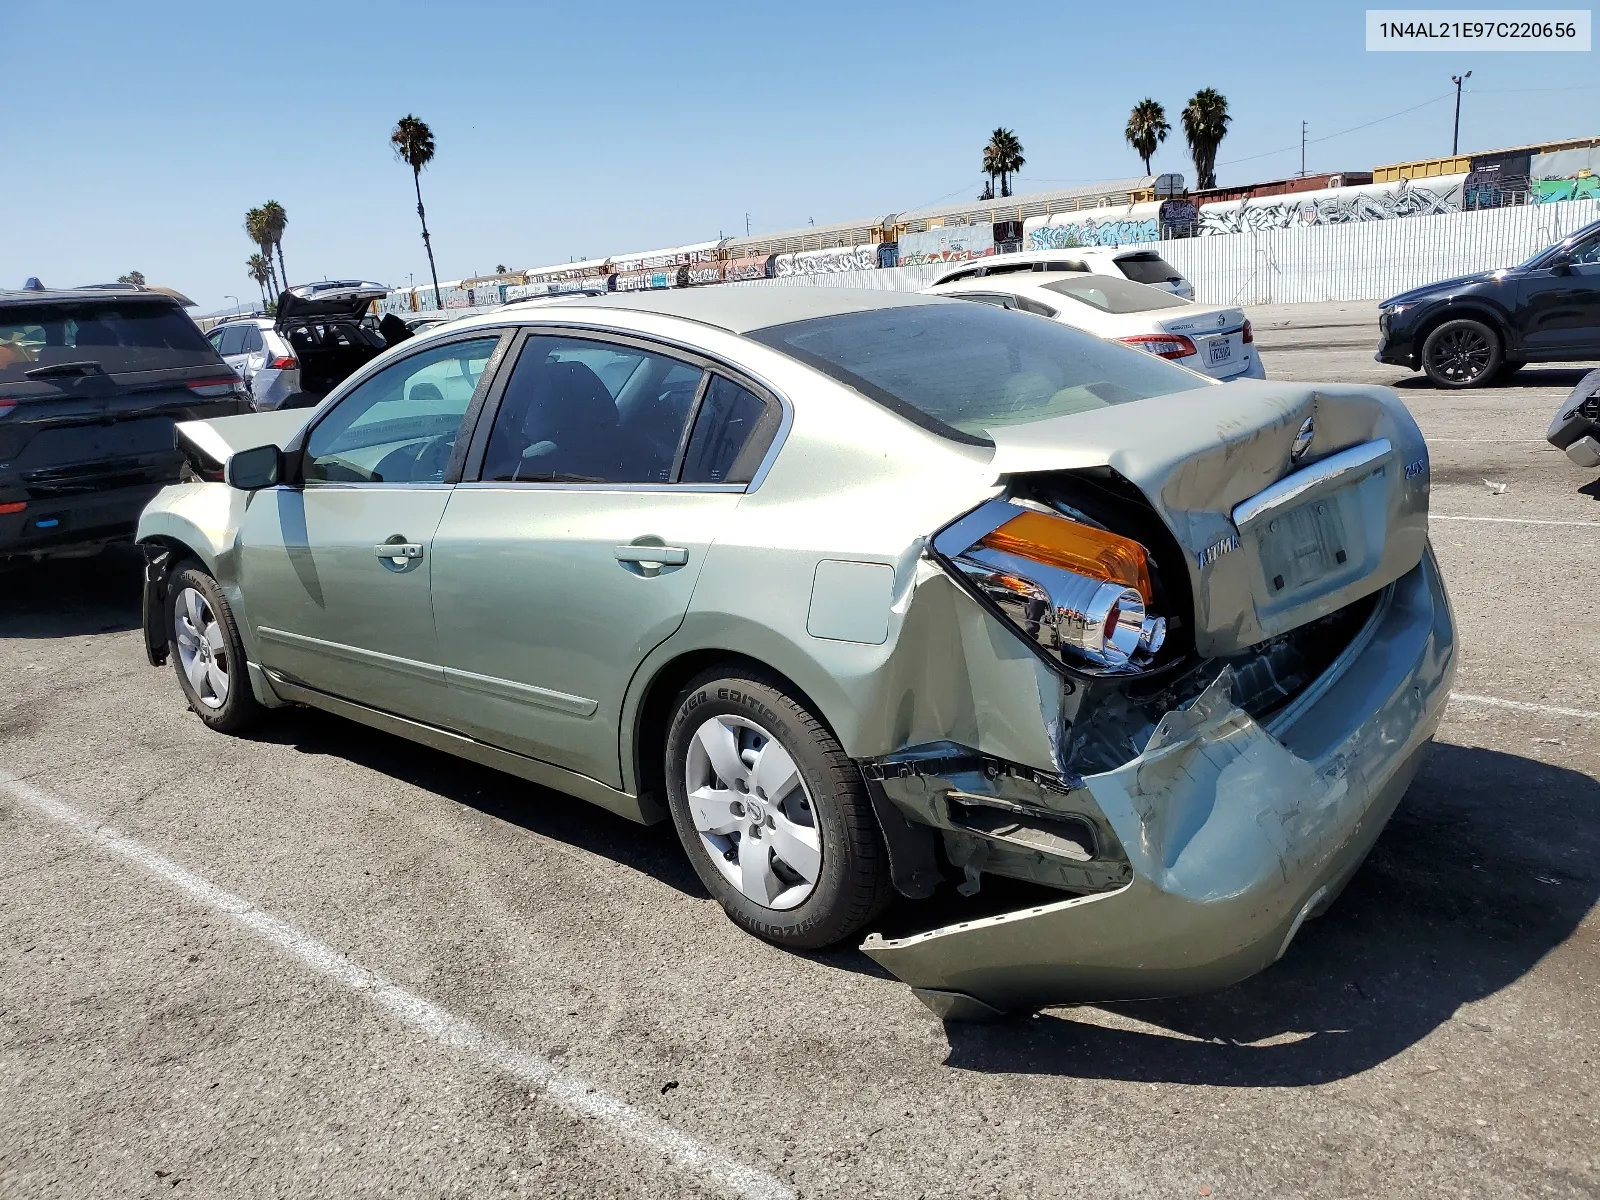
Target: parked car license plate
1221, 350
1302, 545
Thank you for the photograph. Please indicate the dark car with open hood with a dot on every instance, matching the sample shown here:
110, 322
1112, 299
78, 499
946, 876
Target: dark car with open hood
1465, 332
92, 381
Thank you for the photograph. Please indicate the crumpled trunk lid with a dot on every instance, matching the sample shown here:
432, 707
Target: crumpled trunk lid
1272, 540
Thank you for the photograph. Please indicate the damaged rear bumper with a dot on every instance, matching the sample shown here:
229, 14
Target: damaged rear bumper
1234, 833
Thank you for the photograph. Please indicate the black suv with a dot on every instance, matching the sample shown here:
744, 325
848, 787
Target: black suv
1463, 332
91, 382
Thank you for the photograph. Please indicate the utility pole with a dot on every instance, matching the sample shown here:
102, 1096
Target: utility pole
747, 224
1455, 138
1302, 149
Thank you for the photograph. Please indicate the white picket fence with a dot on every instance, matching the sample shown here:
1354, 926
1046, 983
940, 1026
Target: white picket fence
1363, 260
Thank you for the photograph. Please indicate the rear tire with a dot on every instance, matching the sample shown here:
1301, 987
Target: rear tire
206, 651
773, 814
1462, 353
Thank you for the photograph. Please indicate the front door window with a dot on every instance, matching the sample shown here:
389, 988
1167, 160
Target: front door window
400, 426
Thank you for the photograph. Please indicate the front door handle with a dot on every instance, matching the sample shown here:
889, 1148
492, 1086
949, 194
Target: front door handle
655, 556
398, 550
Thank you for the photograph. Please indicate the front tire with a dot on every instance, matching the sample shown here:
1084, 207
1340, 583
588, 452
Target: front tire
1462, 353
207, 653
773, 814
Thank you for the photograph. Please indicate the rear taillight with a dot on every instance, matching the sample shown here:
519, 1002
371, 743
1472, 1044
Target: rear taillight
1082, 594
12, 506
7, 406
287, 363
1165, 345
218, 386
1247, 333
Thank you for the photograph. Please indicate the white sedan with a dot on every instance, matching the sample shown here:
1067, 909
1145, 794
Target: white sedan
1214, 340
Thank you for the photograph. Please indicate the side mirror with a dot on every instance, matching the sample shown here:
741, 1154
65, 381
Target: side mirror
1561, 264
253, 469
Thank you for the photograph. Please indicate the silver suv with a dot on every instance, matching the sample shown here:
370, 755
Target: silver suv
261, 356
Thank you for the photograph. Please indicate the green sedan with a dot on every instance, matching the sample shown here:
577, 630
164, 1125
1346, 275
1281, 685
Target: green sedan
873, 594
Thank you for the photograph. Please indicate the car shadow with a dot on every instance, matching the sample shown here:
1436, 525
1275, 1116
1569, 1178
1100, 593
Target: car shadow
653, 850
1528, 377
1488, 866
72, 597
1591, 489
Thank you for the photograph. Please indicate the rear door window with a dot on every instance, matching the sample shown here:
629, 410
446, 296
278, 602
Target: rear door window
232, 341
252, 340
117, 336
731, 434
581, 411
1148, 268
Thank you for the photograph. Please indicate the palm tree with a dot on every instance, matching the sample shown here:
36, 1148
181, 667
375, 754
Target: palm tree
413, 145
136, 278
1205, 124
1003, 157
255, 228
1147, 129
277, 220
257, 267
991, 167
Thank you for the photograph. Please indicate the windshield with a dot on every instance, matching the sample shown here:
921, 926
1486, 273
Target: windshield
962, 369
1114, 295
114, 335
1585, 248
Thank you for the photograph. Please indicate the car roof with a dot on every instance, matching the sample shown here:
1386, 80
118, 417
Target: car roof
1013, 279
741, 309
66, 295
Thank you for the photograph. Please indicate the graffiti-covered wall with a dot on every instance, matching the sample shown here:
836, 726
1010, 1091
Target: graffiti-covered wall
1335, 206
946, 243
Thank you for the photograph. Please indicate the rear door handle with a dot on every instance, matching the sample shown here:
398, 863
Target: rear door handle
397, 550
663, 556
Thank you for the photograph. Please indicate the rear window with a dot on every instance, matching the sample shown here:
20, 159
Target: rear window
1113, 295
1148, 268
962, 369
117, 335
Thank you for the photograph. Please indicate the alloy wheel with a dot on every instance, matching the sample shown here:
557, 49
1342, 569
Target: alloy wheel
753, 812
1461, 355
202, 647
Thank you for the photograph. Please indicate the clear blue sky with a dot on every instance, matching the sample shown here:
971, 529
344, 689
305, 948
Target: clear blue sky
138, 135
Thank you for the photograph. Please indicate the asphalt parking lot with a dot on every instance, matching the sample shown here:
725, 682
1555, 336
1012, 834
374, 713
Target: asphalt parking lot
320, 961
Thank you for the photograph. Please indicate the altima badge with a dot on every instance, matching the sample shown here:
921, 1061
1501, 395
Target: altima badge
1216, 550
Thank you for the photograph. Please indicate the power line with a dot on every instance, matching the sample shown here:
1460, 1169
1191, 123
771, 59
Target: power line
1329, 137
1577, 87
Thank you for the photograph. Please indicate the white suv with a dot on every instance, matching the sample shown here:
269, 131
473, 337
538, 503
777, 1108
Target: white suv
1141, 266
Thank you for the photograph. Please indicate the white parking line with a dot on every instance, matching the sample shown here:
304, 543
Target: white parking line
571, 1092
1514, 520
1554, 710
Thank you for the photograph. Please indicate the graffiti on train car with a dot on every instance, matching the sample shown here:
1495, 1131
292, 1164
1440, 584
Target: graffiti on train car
826, 262
1335, 206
